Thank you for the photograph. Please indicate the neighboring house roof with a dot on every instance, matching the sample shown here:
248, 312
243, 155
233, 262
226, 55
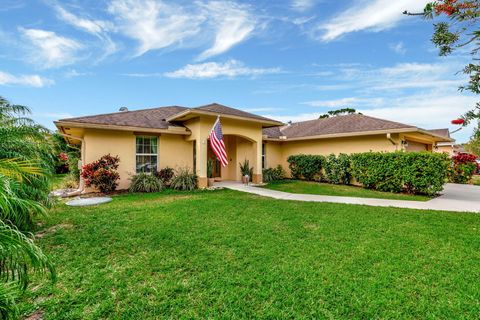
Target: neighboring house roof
352, 123
162, 117
146, 118
441, 132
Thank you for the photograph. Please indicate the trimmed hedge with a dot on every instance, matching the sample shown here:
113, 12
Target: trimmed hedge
308, 167
338, 169
413, 172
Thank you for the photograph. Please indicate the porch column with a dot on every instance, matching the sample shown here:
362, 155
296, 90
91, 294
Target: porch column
257, 168
202, 145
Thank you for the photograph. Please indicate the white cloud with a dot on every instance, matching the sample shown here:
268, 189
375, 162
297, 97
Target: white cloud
302, 5
398, 47
232, 23
49, 50
372, 15
88, 25
98, 28
154, 24
24, 80
209, 70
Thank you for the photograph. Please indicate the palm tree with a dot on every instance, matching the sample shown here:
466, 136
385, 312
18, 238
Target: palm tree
24, 185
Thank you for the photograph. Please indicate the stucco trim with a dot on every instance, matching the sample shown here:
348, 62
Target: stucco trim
170, 130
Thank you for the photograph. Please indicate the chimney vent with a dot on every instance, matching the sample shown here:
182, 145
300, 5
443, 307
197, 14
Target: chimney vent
123, 109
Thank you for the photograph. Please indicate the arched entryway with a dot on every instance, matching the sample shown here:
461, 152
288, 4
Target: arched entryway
239, 149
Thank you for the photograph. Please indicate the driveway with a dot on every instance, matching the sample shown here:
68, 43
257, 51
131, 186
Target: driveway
455, 197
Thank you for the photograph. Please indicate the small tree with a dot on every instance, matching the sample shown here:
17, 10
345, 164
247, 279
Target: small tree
461, 31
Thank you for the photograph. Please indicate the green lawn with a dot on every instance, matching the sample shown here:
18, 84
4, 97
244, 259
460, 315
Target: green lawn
226, 254
307, 187
476, 180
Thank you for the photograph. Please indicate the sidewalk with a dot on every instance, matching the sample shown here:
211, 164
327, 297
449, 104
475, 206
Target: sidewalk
455, 197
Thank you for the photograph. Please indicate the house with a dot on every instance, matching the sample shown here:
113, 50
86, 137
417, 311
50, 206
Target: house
174, 136
446, 146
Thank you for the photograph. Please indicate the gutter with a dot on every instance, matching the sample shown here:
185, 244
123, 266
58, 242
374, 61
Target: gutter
81, 184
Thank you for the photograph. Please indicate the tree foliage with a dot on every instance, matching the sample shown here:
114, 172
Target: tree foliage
457, 28
339, 112
26, 162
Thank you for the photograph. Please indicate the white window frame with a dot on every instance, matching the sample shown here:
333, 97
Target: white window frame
147, 154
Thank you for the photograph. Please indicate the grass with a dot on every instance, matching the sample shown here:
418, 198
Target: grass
307, 187
226, 254
476, 180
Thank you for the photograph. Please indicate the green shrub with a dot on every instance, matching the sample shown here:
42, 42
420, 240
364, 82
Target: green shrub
462, 173
308, 167
424, 172
165, 175
273, 174
415, 172
379, 171
102, 174
184, 180
338, 169
144, 182
463, 168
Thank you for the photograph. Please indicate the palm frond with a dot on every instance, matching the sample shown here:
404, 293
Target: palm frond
19, 255
18, 169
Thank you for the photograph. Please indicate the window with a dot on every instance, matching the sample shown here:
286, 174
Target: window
146, 154
264, 162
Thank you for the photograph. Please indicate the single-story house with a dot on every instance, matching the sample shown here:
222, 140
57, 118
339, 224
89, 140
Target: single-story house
174, 136
444, 146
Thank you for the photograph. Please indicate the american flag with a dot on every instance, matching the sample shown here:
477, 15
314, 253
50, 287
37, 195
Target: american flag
217, 144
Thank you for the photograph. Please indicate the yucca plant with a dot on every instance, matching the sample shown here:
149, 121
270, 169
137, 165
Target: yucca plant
144, 182
185, 180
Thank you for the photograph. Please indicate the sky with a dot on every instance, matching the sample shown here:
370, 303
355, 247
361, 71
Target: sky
290, 60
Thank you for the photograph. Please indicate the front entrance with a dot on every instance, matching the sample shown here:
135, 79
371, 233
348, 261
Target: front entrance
217, 167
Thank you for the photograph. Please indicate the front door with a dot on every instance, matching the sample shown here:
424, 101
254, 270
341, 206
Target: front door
217, 171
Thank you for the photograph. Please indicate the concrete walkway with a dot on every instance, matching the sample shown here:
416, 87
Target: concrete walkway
455, 197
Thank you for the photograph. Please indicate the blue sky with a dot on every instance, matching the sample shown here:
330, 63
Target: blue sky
289, 60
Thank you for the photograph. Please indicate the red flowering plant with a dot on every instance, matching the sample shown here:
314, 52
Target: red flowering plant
463, 168
102, 174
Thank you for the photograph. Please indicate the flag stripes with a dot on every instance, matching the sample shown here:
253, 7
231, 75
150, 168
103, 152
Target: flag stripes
217, 143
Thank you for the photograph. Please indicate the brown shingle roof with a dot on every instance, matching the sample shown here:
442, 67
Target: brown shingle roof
221, 109
146, 118
441, 132
335, 125
156, 117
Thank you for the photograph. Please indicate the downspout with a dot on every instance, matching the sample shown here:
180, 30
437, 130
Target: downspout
389, 137
81, 184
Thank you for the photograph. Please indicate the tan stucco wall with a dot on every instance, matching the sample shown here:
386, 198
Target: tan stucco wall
444, 149
414, 146
173, 150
